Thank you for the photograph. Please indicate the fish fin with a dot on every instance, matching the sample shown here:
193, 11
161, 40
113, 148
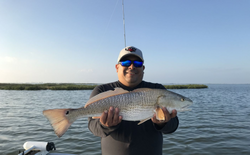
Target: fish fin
159, 114
106, 94
142, 121
58, 119
96, 117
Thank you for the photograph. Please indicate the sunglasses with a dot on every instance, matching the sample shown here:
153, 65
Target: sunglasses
127, 63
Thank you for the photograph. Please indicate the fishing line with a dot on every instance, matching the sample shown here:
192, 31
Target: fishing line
124, 22
111, 17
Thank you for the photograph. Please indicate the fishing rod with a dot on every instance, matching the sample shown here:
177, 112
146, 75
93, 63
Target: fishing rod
124, 22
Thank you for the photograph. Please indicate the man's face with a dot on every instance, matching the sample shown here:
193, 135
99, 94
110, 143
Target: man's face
130, 76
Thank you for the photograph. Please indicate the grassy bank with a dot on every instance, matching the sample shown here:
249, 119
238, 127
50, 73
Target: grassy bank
46, 86
188, 86
69, 86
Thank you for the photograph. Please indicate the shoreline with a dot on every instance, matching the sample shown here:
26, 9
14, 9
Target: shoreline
72, 86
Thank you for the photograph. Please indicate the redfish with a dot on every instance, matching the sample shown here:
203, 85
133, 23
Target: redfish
137, 105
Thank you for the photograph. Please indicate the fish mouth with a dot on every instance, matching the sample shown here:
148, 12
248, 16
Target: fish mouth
184, 108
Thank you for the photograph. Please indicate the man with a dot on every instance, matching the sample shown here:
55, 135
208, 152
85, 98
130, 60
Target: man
120, 137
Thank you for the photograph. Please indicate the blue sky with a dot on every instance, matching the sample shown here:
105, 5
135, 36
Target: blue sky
183, 41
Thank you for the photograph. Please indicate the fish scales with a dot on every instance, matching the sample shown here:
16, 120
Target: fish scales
136, 107
131, 105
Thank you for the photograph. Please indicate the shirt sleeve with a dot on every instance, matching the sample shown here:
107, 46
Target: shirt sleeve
95, 125
98, 129
170, 127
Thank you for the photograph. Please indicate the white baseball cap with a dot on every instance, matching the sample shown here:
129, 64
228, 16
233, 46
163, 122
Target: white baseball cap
130, 50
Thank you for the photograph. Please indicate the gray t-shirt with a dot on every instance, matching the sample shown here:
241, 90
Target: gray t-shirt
128, 138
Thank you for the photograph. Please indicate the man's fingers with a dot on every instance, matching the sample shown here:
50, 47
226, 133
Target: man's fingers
120, 119
173, 114
110, 116
116, 116
103, 117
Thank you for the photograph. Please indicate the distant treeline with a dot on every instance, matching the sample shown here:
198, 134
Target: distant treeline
70, 86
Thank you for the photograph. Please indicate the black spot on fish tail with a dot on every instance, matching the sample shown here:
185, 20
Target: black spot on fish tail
67, 112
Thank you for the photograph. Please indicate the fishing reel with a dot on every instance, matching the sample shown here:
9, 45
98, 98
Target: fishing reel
37, 148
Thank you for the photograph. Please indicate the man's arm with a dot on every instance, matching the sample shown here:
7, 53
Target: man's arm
102, 130
108, 122
169, 125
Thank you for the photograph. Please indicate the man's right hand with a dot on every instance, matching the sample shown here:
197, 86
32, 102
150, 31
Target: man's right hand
110, 118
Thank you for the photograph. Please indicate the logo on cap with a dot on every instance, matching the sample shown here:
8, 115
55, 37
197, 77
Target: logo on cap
131, 49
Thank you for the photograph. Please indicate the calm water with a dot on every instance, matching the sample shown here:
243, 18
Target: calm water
219, 122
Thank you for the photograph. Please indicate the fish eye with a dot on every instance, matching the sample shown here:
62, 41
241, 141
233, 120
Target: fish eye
67, 112
182, 99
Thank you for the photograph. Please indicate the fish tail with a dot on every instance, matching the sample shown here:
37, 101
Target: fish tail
59, 119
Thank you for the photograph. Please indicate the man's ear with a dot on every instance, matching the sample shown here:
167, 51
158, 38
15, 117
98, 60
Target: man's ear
116, 67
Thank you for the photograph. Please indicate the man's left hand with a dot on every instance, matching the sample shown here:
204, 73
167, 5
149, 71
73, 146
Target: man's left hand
167, 117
